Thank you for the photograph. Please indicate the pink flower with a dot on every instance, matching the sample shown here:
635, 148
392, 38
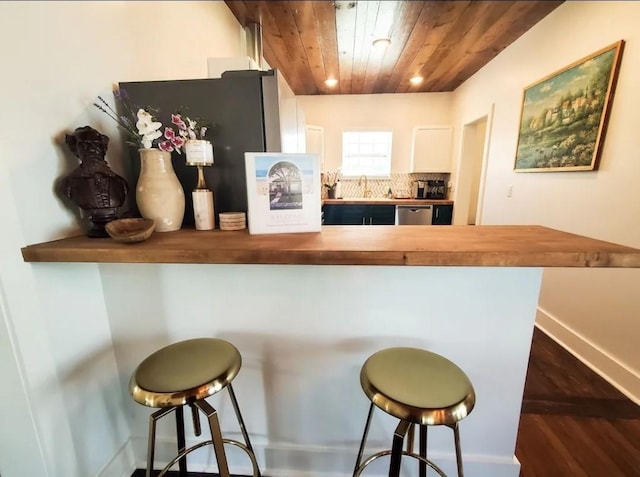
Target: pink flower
172, 141
165, 146
177, 142
177, 120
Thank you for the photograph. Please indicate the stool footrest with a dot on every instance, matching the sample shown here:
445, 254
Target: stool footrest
377, 455
252, 457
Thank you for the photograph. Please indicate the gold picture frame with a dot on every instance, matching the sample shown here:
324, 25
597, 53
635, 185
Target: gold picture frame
564, 116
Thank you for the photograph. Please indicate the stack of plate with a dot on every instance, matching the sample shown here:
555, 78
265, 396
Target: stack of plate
232, 220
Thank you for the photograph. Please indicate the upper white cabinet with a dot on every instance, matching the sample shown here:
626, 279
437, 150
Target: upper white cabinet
292, 122
431, 149
314, 142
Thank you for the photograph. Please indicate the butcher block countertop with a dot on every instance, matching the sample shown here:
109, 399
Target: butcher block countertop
463, 245
384, 201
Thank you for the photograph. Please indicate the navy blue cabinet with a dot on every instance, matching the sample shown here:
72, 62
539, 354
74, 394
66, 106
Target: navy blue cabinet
442, 214
356, 214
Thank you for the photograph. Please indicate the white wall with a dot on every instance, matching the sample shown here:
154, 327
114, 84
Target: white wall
303, 336
397, 112
594, 312
64, 413
20, 452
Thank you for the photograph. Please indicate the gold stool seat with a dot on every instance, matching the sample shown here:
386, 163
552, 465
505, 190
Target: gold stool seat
185, 373
421, 389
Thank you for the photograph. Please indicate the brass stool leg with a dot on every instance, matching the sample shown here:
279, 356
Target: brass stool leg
456, 438
151, 446
216, 436
364, 440
396, 449
182, 463
423, 450
410, 438
195, 419
245, 434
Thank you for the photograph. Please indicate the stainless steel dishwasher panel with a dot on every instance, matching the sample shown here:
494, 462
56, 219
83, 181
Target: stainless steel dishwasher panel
414, 214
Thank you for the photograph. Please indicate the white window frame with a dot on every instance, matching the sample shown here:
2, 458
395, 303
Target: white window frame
352, 170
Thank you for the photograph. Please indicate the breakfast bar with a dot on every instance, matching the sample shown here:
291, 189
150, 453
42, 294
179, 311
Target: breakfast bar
306, 309
488, 245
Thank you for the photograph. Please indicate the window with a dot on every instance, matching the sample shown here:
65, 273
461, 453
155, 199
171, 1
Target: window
366, 152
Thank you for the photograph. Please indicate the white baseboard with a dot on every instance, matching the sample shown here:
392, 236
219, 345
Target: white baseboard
122, 464
597, 359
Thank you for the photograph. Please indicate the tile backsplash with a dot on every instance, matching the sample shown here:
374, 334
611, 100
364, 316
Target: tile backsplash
401, 185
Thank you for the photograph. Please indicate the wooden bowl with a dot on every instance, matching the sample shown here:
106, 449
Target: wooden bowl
130, 230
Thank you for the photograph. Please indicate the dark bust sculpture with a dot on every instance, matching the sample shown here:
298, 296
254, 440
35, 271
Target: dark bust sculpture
93, 186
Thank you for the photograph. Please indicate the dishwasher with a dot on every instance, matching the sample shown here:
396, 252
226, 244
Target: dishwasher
414, 214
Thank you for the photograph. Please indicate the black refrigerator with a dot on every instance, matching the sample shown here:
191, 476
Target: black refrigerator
243, 105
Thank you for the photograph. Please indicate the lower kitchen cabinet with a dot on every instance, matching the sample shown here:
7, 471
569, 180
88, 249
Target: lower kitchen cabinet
348, 214
442, 214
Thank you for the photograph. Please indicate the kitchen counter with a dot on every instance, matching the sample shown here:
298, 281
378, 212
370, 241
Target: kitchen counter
490, 245
385, 201
304, 330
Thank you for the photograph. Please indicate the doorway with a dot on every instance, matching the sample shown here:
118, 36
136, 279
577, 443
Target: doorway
471, 171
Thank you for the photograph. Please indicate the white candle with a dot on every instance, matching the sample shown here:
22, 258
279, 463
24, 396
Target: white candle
198, 151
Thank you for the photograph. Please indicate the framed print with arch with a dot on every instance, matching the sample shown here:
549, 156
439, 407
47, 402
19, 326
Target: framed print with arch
564, 115
283, 192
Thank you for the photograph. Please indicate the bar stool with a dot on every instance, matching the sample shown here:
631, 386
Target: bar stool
421, 389
185, 373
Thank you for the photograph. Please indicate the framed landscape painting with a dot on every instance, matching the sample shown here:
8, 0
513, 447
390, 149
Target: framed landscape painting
564, 116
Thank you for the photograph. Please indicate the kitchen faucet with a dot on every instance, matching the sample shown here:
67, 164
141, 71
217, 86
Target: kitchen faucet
366, 191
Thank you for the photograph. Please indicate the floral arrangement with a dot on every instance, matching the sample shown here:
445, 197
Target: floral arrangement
143, 130
330, 179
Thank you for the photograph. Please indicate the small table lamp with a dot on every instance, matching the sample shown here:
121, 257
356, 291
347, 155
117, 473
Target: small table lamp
199, 153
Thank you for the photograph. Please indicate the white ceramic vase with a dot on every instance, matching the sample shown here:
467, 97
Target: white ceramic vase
159, 194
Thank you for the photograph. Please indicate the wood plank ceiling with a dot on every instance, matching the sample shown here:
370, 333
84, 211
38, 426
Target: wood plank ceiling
444, 42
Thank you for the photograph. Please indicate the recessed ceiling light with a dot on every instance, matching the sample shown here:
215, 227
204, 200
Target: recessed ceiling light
331, 82
345, 5
416, 80
382, 43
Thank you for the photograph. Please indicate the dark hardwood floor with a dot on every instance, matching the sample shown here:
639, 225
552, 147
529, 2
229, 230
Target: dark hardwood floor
573, 423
